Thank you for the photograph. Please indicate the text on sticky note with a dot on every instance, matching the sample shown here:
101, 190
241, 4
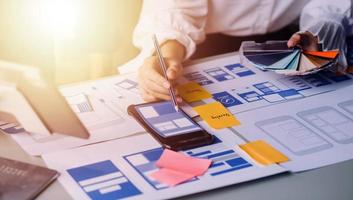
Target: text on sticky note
216, 115
192, 92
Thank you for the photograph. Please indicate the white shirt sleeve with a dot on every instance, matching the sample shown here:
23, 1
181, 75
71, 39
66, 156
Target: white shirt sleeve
328, 19
179, 20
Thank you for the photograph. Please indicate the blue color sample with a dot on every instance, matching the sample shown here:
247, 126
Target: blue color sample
283, 63
294, 64
267, 59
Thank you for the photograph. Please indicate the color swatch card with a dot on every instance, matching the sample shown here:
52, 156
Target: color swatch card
276, 56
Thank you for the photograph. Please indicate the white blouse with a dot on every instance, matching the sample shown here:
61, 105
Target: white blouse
188, 21
332, 22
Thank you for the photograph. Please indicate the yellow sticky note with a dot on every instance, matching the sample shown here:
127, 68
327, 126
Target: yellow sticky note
192, 91
216, 115
263, 152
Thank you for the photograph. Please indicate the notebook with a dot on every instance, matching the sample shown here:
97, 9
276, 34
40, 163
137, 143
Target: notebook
19, 180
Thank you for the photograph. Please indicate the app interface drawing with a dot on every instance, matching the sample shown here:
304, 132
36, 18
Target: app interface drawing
167, 122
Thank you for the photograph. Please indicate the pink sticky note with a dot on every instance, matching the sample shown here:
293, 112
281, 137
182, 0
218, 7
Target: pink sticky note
182, 163
170, 177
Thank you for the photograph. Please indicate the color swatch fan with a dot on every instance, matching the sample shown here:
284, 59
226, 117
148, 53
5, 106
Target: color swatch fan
276, 56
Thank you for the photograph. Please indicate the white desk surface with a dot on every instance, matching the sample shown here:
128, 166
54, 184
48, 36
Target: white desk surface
327, 183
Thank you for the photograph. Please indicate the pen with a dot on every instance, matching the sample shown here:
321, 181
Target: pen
164, 69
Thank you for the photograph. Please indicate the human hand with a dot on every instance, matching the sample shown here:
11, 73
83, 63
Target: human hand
306, 40
153, 85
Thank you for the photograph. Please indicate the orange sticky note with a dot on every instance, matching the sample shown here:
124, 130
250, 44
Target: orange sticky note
170, 177
263, 152
216, 115
324, 54
179, 162
192, 92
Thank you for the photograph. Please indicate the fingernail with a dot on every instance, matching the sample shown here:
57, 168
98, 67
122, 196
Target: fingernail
166, 85
179, 100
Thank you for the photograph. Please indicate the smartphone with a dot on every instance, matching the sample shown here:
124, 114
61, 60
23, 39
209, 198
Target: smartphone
173, 130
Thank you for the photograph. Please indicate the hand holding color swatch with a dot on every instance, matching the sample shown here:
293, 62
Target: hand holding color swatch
276, 56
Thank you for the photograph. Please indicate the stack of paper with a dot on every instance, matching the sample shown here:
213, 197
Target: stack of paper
101, 107
310, 132
276, 56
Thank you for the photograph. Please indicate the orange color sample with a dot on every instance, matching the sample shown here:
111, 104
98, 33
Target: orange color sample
324, 54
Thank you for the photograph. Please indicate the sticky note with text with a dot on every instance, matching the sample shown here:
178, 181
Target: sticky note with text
192, 92
216, 115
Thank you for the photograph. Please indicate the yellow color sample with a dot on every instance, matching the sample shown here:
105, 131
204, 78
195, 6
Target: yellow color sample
192, 92
263, 152
216, 115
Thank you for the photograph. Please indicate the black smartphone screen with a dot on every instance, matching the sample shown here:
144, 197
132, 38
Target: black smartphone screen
172, 129
165, 120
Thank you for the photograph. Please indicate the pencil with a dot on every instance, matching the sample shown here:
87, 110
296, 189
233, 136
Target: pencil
164, 69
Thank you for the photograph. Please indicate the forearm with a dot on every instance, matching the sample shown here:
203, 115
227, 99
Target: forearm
327, 20
179, 27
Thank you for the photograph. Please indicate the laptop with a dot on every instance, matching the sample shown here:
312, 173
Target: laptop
36, 103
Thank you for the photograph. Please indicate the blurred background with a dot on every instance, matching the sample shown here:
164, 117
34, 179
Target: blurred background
69, 40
